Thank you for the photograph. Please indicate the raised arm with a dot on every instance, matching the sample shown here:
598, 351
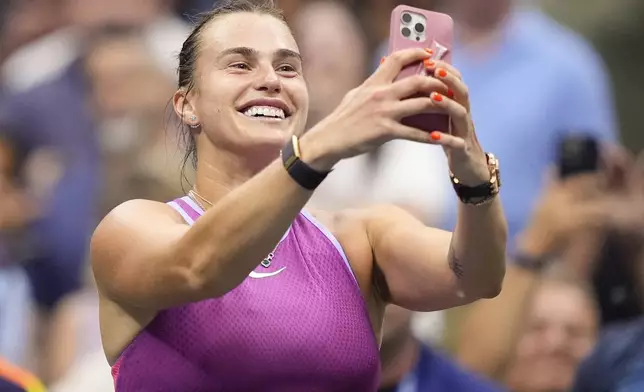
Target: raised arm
144, 256
422, 268
426, 269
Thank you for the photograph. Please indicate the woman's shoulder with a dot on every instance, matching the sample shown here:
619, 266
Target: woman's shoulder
142, 210
134, 219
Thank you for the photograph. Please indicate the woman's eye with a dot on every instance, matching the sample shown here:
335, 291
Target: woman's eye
240, 66
287, 68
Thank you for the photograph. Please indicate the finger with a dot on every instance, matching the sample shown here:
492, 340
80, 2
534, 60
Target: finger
392, 65
415, 85
458, 113
457, 90
412, 106
405, 132
432, 65
448, 141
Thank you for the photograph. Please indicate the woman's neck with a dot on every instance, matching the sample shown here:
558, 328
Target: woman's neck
219, 172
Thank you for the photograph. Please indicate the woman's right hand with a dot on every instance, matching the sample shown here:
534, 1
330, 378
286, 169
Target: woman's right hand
370, 114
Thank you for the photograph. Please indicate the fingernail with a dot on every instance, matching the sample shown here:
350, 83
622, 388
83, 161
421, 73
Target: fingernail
382, 60
429, 51
450, 93
429, 63
435, 135
436, 97
441, 72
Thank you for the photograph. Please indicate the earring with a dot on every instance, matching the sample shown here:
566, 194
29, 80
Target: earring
193, 118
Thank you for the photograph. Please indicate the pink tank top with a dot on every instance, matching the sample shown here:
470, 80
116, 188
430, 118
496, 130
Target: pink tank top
297, 323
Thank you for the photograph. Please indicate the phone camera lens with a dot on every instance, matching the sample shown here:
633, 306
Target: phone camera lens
406, 18
405, 32
419, 27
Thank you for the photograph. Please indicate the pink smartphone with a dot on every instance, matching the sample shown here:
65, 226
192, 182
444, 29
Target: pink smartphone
417, 28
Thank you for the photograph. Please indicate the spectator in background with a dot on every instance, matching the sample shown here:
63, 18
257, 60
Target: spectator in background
557, 83
410, 366
48, 35
72, 124
559, 331
617, 364
128, 96
15, 292
543, 352
29, 32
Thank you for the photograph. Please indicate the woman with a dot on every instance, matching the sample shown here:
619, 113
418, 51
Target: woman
235, 287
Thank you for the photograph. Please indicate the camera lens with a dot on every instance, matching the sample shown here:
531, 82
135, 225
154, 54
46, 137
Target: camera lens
419, 27
406, 18
405, 32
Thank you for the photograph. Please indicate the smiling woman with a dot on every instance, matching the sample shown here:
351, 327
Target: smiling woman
235, 286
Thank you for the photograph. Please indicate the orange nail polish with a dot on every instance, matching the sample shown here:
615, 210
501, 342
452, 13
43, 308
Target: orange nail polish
436, 135
450, 93
429, 51
437, 97
429, 63
382, 60
442, 73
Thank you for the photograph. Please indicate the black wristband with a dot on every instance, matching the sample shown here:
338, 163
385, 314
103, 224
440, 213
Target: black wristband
303, 174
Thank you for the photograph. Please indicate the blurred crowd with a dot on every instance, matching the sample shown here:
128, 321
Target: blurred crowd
85, 125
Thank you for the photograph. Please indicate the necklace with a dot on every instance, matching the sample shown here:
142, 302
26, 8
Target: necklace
196, 197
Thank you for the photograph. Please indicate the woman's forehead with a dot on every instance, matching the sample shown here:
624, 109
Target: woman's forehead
262, 33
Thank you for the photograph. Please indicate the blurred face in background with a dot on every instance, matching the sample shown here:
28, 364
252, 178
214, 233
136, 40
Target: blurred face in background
560, 332
129, 91
478, 14
334, 54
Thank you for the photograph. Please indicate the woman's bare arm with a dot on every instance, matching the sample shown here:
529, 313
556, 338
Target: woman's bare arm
144, 256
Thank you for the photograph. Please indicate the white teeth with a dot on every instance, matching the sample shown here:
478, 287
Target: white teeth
265, 111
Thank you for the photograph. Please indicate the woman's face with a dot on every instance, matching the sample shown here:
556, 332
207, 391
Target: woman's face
250, 94
560, 332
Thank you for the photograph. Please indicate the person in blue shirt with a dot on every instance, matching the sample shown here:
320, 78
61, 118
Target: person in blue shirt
411, 366
617, 364
557, 85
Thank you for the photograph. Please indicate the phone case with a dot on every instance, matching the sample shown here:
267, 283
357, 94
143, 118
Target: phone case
412, 27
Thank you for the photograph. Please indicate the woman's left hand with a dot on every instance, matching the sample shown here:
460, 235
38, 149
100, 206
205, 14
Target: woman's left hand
465, 155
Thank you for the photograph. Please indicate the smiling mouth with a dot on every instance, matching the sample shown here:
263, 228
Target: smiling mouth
265, 113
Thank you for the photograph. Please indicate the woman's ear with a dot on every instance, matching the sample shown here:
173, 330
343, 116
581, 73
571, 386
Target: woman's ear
184, 108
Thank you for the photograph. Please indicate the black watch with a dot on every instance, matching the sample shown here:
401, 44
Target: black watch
302, 173
483, 193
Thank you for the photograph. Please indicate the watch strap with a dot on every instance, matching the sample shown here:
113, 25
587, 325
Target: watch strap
303, 174
480, 194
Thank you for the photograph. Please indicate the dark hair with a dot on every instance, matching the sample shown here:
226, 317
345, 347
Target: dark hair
190, 52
